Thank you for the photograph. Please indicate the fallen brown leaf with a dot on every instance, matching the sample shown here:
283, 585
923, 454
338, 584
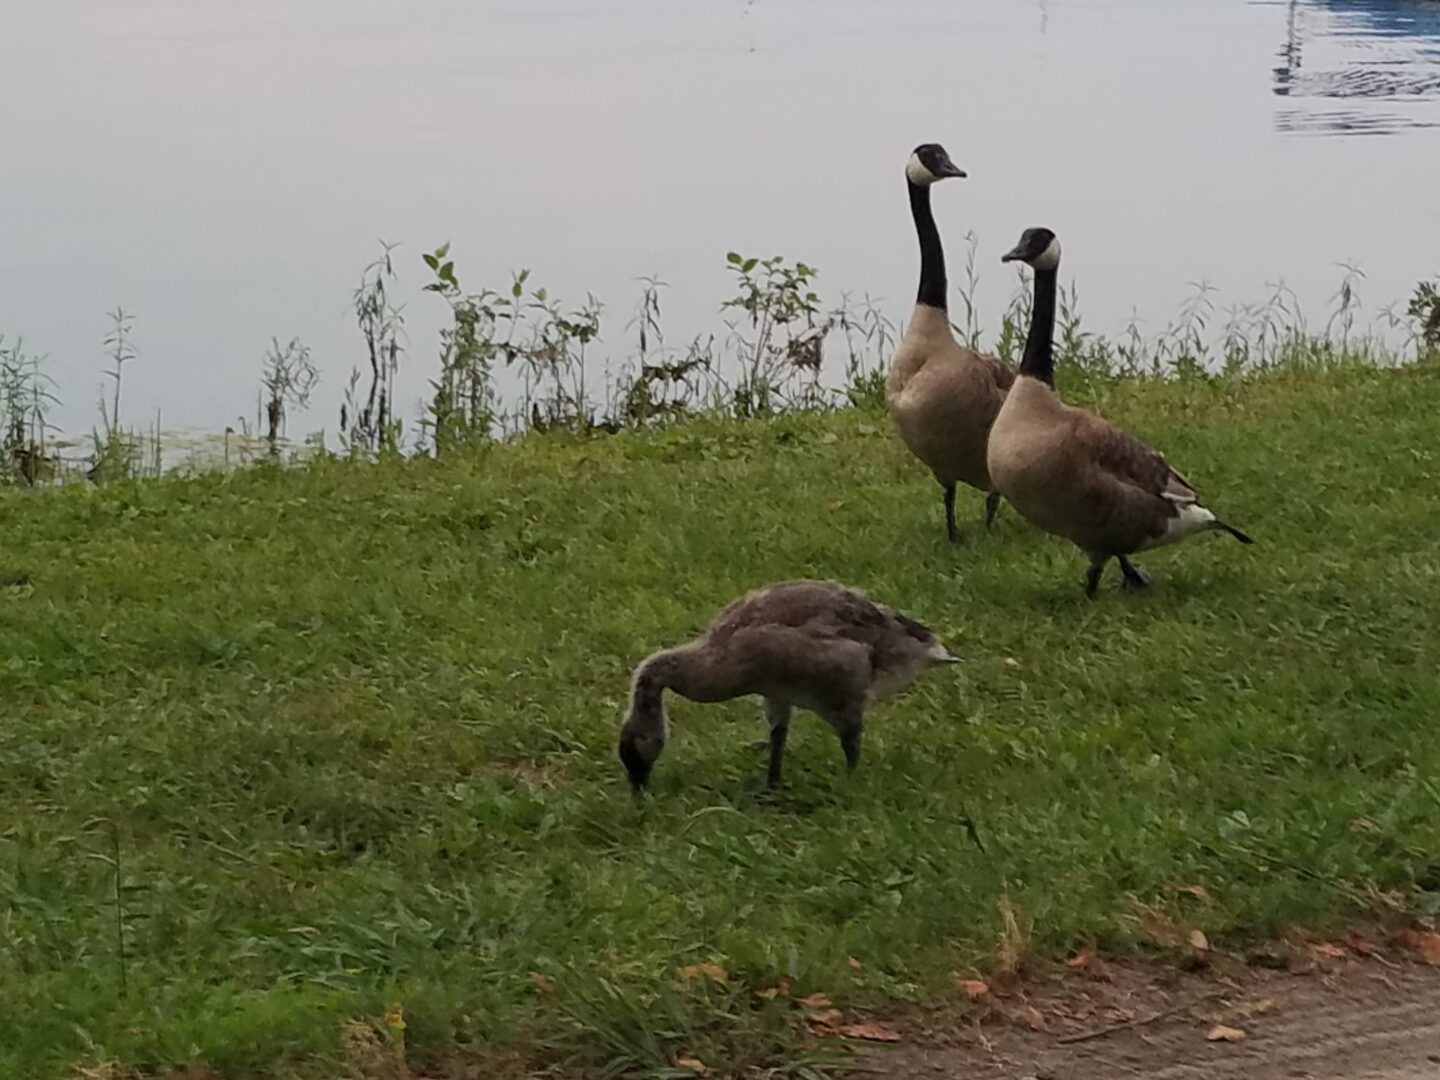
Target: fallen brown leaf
1161, 930
1425, 943
695, 1065
1035, 1018
1010, 661
542, 983
870, 1032
1329, 951
816, 1001
782, 989
1360, 946
825, 1020
1084, 958
1198, 941
1221, 1033
1120, 1016
855, 965
709, 971
1199, 892
974, 989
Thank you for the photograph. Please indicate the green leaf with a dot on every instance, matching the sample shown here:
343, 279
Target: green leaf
443, 250
734, 258
516, 290
749, 265
541, 295
447, 272
431, 261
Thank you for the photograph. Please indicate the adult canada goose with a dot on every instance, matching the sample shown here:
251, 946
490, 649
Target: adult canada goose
818, 645
1073, 474
941, 396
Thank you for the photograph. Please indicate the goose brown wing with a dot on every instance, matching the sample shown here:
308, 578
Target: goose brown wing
1000, 372
1127, 459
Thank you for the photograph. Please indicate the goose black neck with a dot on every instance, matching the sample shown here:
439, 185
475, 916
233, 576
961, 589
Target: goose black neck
1039, 359
932, 255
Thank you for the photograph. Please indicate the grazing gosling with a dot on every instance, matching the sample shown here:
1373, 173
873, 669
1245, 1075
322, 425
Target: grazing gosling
941, 396
1073, 474
818, 645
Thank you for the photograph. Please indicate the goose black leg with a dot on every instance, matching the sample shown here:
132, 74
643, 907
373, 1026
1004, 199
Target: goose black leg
1134, 577
1092, 576
992, 507
848, 723
951, 529
778, 714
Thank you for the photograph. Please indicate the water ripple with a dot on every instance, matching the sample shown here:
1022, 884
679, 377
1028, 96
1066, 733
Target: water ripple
1382, 57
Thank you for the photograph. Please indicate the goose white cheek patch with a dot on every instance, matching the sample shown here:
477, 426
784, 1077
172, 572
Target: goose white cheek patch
1050, 257
917, 173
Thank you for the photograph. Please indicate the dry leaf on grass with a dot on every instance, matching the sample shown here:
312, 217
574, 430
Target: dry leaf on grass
1120, 1016
695, 1065
542, 982
1329, 951
782, 989
1035, 1018
1199, 892
1425, 944
816, 1001
1198, 941
855, 965
1221, 1033
1160, 930
824, 1021
870, 1032
709, 971
974, 989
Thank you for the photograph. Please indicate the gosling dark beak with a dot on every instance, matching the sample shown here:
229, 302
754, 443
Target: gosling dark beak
1013, 255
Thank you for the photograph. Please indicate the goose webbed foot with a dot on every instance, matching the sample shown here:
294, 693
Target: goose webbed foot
1135, 578
951, 529
992, 507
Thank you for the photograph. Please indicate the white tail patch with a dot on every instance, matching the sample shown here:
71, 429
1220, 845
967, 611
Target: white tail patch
1191, 519
941, 655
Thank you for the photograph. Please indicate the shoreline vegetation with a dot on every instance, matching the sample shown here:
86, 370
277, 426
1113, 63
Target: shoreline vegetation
310, 771
779, 347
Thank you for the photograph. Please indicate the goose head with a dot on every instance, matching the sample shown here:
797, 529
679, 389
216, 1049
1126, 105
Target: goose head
641, 740
1038, 246
929, 162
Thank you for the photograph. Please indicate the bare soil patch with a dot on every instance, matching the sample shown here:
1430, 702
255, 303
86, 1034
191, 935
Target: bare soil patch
1328, 1013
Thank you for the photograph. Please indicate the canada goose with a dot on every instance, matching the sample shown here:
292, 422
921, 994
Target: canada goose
818, 645
1073, 474
941, 396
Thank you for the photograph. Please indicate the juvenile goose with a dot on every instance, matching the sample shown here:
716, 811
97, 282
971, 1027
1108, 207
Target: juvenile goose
1073, 474
813, 644
941, 396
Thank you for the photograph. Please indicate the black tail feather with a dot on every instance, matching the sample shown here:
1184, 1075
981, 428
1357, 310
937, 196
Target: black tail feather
1236, 533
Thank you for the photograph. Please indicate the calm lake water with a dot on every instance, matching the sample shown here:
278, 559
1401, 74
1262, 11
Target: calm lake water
223, 168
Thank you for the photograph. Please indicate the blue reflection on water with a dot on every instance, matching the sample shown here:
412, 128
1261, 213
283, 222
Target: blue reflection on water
1359, 67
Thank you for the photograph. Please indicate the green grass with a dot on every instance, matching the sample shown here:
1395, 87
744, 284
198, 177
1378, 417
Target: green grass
355, 727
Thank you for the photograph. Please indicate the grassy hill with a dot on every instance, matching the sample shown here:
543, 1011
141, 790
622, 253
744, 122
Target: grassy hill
343, 736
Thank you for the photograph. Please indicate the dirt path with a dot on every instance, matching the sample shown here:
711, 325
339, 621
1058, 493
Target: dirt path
1374, 1019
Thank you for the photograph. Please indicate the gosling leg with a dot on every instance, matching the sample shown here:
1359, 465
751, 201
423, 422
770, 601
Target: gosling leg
778, 713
